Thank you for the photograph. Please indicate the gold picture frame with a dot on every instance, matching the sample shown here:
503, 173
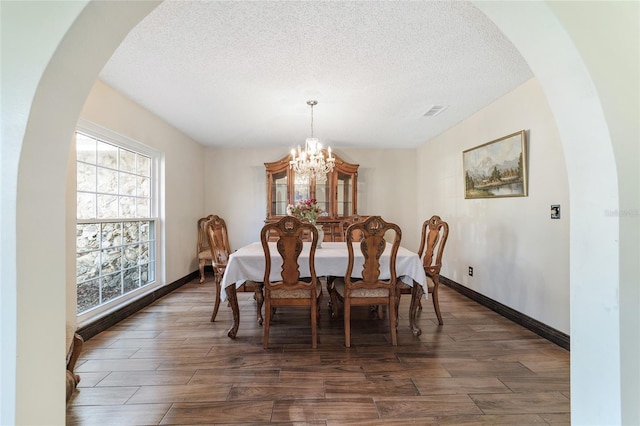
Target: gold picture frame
496, 169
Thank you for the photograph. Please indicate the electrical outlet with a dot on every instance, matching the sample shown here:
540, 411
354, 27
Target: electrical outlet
470, 271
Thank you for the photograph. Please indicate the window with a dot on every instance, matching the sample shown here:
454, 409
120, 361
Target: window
116, 219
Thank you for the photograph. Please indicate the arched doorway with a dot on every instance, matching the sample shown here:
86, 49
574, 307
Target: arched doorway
84, 53
555, 61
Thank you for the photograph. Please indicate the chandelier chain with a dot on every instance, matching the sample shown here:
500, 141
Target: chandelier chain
311, 119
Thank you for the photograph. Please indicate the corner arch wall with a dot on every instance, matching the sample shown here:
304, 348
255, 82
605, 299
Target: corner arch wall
544, 43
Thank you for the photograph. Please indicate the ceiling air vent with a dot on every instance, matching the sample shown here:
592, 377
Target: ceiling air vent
435, 110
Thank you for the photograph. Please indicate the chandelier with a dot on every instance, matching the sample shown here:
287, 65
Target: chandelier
311, 162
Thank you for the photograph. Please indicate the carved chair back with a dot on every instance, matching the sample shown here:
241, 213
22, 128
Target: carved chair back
371, 237
347, 222
218, 241
218, 238
203, 252
291, 289
435, 232
291, 233
203, 241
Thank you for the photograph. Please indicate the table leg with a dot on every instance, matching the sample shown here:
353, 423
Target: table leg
416, 295
333, 297
259, 296
232, 296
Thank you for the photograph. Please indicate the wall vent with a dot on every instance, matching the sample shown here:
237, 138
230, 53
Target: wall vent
435, 110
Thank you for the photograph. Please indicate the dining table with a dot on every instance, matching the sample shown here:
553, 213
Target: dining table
331, 259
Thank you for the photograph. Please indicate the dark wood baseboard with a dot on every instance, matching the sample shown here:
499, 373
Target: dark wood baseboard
551, 334
89, 330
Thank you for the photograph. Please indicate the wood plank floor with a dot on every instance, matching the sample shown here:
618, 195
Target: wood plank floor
168, 365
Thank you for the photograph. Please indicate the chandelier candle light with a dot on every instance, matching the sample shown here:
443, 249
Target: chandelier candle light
310, 162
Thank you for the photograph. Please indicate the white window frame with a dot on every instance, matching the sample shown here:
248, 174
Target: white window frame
157, 162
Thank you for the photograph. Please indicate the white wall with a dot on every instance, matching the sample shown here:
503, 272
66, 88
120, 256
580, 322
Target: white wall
520, 256
183, 171
236, 188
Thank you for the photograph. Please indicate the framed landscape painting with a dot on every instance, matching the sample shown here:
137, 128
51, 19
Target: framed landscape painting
497, 168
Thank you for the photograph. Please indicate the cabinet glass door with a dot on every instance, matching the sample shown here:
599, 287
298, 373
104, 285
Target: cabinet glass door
279, 194
336, 195
301, 189
344, 195
323, 196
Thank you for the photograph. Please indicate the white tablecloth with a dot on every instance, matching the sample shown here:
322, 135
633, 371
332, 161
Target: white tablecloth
247, 264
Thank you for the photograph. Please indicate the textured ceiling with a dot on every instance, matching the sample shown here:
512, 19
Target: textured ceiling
238, 74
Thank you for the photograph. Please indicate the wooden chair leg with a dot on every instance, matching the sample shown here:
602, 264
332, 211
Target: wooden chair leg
201, 264
314, 324
398, 294
218, 280
397, 319
436, 306
347, 323
267, 325
393, 321
319, 305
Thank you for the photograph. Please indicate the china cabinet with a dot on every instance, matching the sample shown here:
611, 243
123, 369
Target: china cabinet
337, 196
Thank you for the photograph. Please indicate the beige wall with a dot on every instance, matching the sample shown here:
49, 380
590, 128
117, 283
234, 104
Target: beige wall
387, 187
236, 189
519, 255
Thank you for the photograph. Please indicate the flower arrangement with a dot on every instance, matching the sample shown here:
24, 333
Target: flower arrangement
305, 210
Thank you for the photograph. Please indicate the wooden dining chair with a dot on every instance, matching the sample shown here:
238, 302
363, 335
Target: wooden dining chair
218, 238
343, 226
369, 237
347, 222
435, 232
203, 252
290, 290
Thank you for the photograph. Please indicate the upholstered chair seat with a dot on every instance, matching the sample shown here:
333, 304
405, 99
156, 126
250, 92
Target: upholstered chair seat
300, 293
360, 292
205, 255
